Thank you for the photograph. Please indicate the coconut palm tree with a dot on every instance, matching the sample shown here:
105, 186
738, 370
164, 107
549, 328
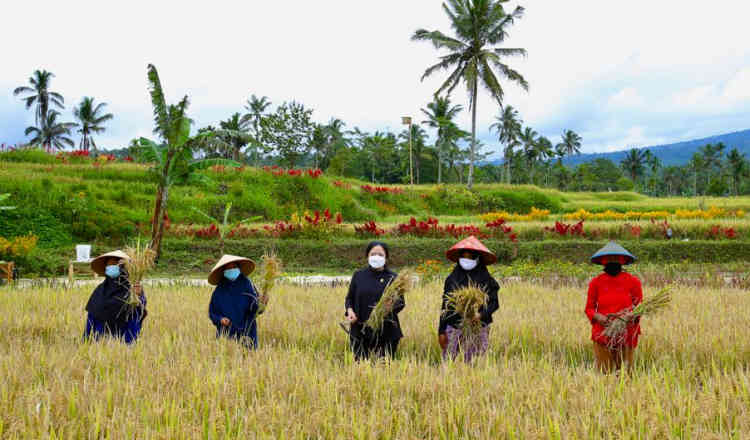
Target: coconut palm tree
91, 121
52, 133
737, 165
251, 122
633, 163
440, 115
529, 139
571, 143
545, 152
40, 95
474, 55
508, 127
233, 134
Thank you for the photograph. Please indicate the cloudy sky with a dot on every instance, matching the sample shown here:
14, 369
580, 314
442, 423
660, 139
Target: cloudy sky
621, 74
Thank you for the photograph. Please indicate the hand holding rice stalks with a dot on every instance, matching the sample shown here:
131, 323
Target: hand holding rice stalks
616, 330
269, 272
393, 293
140, 262
467, 303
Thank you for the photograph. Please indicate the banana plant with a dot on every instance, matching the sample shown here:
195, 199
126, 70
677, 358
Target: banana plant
225, 227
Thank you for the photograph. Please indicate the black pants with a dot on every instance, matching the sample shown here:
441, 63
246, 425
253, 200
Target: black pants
365, 345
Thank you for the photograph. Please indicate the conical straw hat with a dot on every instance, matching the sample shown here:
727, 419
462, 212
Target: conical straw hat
612, 249
471, 244
99, 264
247, 266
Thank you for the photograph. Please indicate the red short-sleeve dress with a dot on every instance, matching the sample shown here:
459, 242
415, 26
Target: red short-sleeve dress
612, 294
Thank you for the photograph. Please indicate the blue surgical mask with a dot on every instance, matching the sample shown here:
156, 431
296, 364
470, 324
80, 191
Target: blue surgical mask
231, 274
112, 271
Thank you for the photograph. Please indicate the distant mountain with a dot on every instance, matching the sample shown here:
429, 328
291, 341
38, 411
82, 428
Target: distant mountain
674, 154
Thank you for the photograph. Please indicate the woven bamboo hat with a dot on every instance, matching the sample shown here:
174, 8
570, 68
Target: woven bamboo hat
246, 265
612, 249
99, 264
471, 244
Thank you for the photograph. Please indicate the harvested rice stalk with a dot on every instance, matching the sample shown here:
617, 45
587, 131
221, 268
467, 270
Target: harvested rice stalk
394, 292
141, 260
616, 330
467, 302
269, 271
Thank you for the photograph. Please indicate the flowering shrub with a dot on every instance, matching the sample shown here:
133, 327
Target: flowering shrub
18, 247
717, 232
431, 228
282, 229
369, 229
535, 214
706, 214
632, 230
564, 229
380, 189
499, 228
341, 184
278, 172
431, 270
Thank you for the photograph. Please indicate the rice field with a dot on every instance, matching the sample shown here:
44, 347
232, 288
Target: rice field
691, 378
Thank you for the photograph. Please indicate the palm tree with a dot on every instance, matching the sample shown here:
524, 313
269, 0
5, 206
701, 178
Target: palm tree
529, 141
737, 165
251, 122
440, 115
508, 127
91, 121
52, 133
479, 26
40, 95
545, 151
571, 143
633, 162
233, 134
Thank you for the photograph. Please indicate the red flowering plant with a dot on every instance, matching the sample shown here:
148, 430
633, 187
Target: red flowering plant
432, 228
718, 232
282, 229
633, 231
380, 189
369, 229
340, 184
565, 229
500, 229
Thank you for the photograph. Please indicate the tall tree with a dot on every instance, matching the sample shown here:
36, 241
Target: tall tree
233, 134
737, 167
251, 122
289, 131
40, 94
529, 139
474, 57
571, 143
632, 164
508, 126
52, 133
440, 115
91, 121
545, 152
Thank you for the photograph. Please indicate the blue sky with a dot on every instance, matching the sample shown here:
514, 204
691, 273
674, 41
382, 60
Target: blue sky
621, 74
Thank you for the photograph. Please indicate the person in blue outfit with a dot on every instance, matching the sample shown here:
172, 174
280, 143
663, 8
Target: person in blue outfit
234, 303
109, 313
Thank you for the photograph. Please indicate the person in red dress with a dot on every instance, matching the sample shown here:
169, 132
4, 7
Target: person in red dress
613, 294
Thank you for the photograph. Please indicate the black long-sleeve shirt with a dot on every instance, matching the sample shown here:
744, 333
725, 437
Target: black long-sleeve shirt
365, 290
460, 278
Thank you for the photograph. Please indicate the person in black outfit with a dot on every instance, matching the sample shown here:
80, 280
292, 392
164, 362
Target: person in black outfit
365, 290
472, 259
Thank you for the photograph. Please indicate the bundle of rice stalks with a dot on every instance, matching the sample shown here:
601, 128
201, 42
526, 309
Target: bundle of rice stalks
617, 328
467, 302
269, 271
394, 292
141, 260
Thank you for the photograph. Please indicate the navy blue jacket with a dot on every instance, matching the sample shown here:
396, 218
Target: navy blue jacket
238, 301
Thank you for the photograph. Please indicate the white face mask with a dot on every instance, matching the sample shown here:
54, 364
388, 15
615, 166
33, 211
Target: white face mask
376, 261
467, 263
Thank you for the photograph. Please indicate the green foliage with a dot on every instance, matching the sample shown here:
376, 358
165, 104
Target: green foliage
28, 155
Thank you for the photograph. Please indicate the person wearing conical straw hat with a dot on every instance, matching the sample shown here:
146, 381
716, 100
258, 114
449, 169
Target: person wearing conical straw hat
234, 302
109, 311
471, 258
613, 295
365, 290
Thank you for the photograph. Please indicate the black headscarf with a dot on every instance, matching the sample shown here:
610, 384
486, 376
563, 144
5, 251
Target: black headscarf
108, 303
459, 278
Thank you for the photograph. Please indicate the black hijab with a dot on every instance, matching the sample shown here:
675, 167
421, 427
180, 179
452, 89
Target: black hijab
108, 303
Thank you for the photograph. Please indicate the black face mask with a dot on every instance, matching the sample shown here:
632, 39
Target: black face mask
613, 269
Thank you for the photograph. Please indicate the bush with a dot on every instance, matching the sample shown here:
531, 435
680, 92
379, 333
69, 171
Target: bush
29, 155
